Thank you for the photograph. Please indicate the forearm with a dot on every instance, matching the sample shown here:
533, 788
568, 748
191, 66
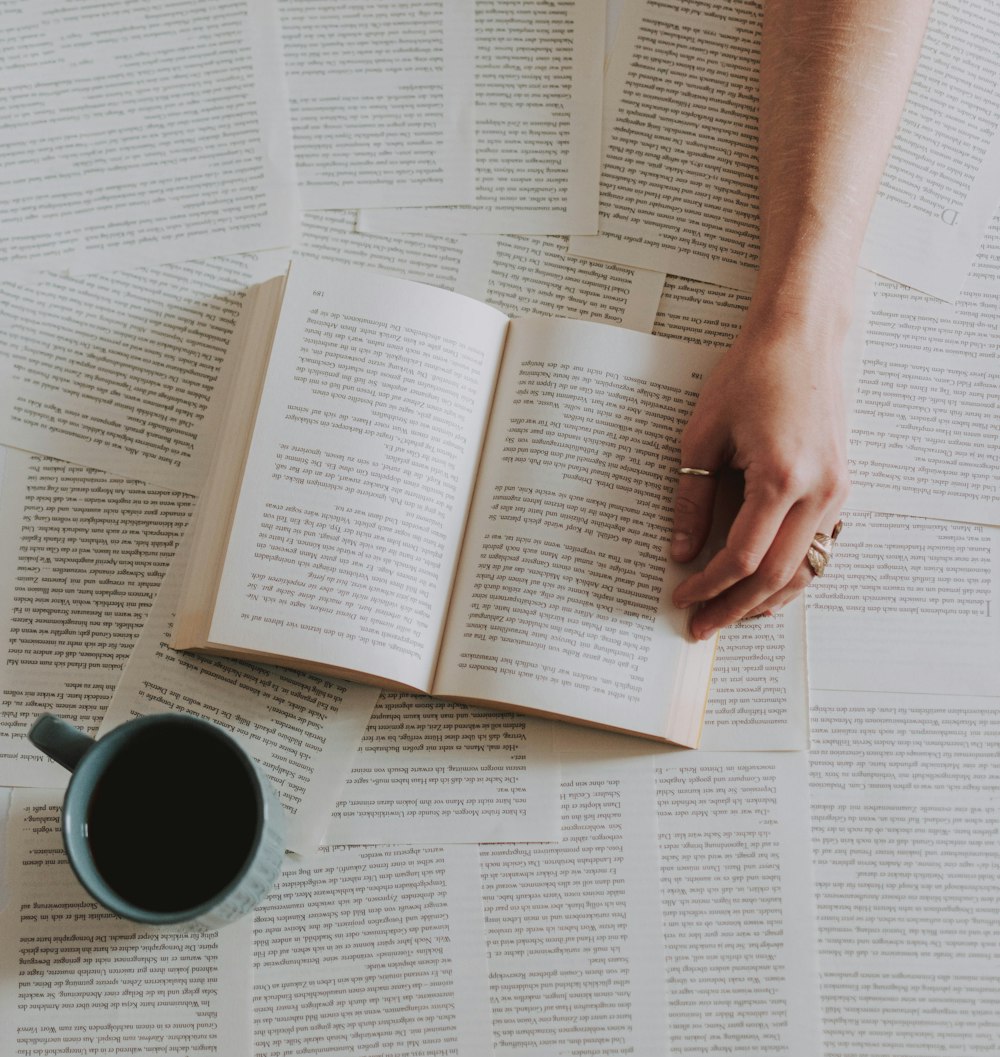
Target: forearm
834, 77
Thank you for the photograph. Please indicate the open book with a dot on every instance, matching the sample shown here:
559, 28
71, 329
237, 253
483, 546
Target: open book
413, 490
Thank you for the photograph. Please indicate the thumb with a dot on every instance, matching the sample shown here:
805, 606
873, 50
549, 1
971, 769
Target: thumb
694, 501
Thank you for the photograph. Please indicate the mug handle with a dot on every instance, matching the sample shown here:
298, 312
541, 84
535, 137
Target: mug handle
60, 740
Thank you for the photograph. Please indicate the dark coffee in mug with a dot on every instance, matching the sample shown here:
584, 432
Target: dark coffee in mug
172, 821
167, 819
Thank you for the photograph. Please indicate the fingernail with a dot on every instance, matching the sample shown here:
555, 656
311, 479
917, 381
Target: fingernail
705, 633
680, 546
680, 601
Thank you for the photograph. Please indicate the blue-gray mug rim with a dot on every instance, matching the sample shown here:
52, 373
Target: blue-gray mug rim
96, 759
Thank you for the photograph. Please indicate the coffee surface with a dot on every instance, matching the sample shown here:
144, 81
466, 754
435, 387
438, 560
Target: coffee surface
172, 820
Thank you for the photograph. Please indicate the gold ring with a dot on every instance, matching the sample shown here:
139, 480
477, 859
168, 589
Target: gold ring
821, 549
693, 471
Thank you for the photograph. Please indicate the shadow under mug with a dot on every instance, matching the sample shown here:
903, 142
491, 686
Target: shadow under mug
167, 820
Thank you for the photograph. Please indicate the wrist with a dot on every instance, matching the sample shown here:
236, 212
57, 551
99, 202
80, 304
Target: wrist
808, 298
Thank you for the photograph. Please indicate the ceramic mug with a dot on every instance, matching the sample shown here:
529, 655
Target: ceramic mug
167, 820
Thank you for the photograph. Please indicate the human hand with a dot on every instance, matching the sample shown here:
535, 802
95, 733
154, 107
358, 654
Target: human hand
773, 409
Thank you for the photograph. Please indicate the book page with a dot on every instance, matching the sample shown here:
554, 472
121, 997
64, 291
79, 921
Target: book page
121, 371
905, 823
909, 605
74, 978
372, 950
303, 730
678, 190
534, 275
356, 488
434, 772
926, 416
538, 85
381, 100
139, 132
759, 696
939, 189
85, 556
562, 603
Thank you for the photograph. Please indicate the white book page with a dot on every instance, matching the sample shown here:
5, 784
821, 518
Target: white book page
737, 893
679, 168
909, 605
939, 189
372, 950
538, 86
572, 929
74, 978
433, 772
121, 372
138, 132
86, 555
759, 696
905, 820
330, 235
303, 730
562, 602
926, 415
381, 101
534, 275
356, 488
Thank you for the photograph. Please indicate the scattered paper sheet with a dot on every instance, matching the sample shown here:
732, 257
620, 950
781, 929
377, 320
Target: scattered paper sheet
372, 950
908, 605
122, 372
140, 132
926, 416
331, 236
381, 99
74, 978
538, 87
712, 849
534, 275
905, 824
86, 555
939, 189
573, 929
678, 189
430, 772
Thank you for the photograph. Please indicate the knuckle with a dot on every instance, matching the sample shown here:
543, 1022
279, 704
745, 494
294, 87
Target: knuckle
687, 509
834, 487
772, 580
745, 563
802, 579
784, 478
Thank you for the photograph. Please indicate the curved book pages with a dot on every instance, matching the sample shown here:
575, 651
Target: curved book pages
413, 490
